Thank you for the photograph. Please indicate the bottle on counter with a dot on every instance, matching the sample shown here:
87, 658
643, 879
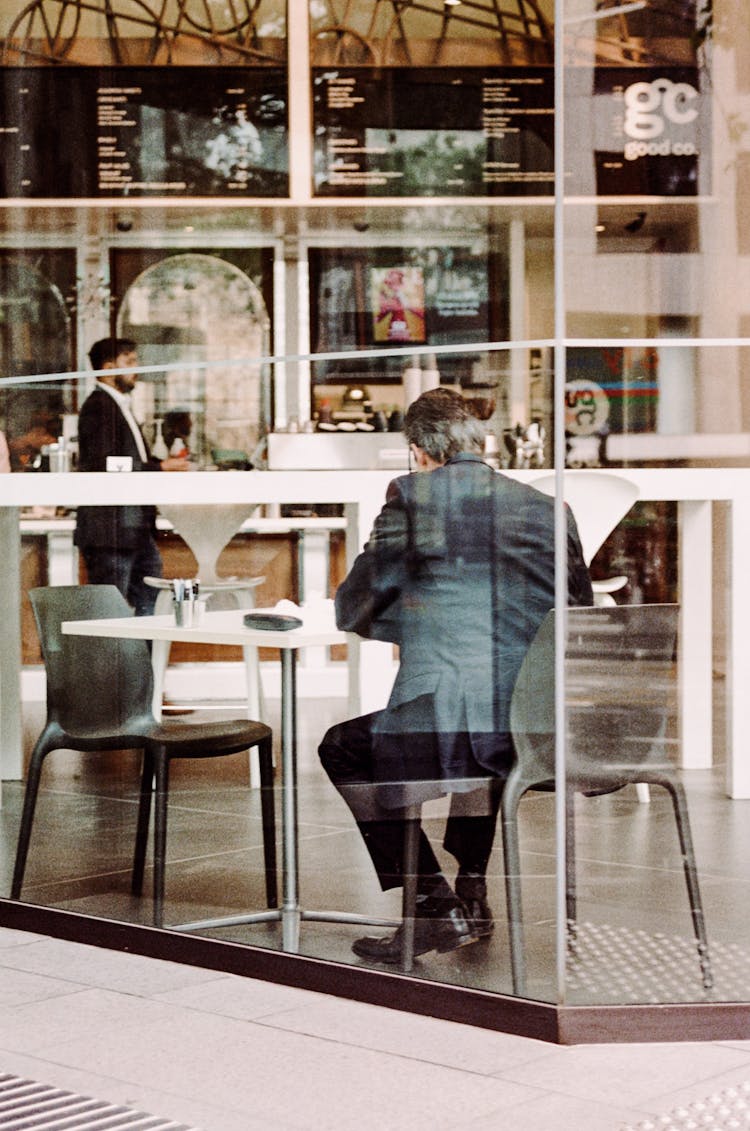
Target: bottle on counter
159, 448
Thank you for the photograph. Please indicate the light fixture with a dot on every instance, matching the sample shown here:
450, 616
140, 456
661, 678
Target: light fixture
451, 3
601, 228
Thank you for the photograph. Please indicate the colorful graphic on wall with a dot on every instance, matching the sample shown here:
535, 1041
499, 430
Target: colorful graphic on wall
398, 304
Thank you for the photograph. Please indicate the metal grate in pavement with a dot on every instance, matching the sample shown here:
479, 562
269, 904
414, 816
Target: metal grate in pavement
26, 1105
721, 1111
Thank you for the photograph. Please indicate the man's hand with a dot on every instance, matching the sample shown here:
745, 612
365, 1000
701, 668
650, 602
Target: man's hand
175, 463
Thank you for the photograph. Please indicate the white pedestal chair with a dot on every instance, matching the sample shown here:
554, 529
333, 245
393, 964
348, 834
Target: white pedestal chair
599, 502
206, 529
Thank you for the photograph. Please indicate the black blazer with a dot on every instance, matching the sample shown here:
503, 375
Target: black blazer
459, 571
103, 431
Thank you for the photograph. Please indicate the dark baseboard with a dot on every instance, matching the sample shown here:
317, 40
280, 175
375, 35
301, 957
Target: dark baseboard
559, 1024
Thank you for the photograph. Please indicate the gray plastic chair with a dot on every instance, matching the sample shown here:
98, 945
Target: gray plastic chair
99, 695
617, 712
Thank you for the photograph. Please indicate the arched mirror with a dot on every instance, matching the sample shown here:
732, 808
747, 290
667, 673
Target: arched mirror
206, 322
36, 337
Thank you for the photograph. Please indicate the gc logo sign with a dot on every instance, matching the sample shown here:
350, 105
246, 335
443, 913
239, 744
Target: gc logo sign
649, 106
586, 407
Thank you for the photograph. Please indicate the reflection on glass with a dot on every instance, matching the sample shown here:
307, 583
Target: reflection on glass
653, 247
36, 337
188, 312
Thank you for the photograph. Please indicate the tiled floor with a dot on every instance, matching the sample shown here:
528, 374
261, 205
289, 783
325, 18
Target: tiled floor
224, 1053
220, 1053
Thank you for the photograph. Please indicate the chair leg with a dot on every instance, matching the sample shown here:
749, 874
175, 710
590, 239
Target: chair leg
255, 705
255, 708
160, 650
410, 858
144, 816
679, 802
27, 819
509, 818
160, 833
570, 855
268, 818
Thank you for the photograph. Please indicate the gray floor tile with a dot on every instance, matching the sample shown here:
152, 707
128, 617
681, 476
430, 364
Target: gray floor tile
553, 1112
10, 937
306, 1082
95, 966
419, 1038
18, 987
608, 1073
91, 1014
702, 1088
244, 998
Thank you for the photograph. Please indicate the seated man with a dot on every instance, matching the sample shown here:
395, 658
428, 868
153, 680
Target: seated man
459, 571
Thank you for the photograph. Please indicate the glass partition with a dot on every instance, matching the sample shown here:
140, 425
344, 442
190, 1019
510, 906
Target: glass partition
636, 689
279, 318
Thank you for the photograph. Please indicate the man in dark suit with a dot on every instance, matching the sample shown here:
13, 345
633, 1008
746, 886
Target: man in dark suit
459, 572
117, 543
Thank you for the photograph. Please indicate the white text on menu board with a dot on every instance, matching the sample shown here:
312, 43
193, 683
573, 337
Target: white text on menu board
114, 113
505, 113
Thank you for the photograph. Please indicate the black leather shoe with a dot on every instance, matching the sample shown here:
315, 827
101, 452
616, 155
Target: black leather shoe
447, 932
472, 891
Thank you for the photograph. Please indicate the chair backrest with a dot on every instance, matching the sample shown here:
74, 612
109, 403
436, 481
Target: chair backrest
206, 529
620, 691
599, 501
93, 683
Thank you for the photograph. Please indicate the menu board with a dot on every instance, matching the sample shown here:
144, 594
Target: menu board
148, 131
448, 131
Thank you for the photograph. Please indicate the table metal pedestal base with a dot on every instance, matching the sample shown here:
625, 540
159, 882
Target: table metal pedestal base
290, 914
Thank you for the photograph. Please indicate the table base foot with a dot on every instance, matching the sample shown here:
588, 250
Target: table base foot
290, 919
273, 916
347, 917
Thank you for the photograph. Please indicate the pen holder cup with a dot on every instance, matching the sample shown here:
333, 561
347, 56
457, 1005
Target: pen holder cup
187, 612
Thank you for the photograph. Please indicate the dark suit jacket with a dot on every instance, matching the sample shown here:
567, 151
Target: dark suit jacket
459, 572
103, 431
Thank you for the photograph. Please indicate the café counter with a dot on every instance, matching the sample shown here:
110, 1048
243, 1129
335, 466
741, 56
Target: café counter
695, 490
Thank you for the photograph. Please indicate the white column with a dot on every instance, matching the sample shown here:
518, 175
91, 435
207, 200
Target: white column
313, 567
738, 651
372, 669
11, 745
62, 558
300, 101
519, 365
695, 641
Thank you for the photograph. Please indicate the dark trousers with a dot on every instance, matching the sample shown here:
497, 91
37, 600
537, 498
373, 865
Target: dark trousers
126, 569
346, 754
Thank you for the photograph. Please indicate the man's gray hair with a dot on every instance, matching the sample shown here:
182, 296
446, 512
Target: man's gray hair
441, 423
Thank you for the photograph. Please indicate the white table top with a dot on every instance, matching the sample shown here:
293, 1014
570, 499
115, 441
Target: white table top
224, 627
